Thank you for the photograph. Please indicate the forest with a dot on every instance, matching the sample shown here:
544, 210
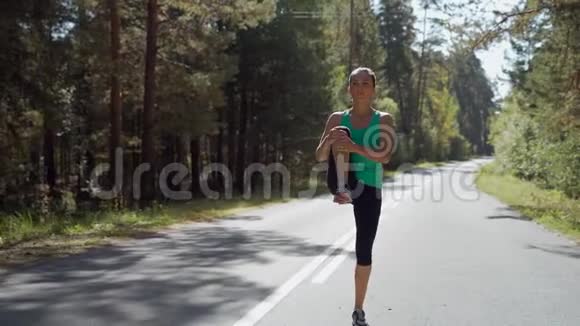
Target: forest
124, 83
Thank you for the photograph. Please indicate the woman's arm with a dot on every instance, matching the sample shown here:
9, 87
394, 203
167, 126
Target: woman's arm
323, 149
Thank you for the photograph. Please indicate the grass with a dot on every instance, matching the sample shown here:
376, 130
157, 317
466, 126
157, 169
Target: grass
26, 226
550, 208
25, 236
428, 165
391, 173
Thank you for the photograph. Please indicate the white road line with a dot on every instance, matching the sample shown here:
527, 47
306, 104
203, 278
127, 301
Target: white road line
323, 275
259, 311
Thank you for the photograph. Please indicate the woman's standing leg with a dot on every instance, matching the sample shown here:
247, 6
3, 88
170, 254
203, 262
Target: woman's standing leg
367, 210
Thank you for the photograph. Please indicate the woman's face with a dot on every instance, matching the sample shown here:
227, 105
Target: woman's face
361, 86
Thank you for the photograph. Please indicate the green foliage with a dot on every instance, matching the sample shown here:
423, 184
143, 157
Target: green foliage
440, 118
336, 39
537, 134
475, 98
405, 151
525, 149
459, 148
336, 87
285, 74
194, 64
387, 104
396, 31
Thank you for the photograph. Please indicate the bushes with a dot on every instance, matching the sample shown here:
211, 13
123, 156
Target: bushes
404, 152
455, 148
459, 148
558, 165
529, 150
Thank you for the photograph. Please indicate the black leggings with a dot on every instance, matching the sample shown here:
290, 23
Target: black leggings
367, 211
366, 201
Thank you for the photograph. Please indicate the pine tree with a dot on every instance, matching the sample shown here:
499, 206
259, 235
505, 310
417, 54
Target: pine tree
396, 22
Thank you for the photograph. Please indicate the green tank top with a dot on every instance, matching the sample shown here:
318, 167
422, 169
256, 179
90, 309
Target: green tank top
366, 171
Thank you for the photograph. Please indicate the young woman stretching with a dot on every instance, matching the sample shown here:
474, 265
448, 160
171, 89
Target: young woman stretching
357, 142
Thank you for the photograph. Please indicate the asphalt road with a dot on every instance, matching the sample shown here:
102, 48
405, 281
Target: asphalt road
445, 254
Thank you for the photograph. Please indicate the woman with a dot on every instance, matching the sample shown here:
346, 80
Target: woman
349, 142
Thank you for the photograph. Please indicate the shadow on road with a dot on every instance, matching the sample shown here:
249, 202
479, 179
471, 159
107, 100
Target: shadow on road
569, 251
243, 218
422, 171
175, 278
514, 217
509, 213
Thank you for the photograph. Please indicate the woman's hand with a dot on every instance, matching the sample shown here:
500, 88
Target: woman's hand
336, 134
345, 144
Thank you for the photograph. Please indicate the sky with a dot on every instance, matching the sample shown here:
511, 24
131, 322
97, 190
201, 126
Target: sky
493, 59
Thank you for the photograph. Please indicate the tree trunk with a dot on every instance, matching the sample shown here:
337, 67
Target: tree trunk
416, 122
231, 127
220, 137
421, 68
403, 108
194, 149
183, 144
148, 151
217, 157
241, 159
169, 145
422, 95
351, 38
36, 176
115, 105
49, 163
181, 150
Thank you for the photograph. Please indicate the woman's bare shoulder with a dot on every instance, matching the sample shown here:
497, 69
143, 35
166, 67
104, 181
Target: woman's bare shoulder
335, 117
386, 118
